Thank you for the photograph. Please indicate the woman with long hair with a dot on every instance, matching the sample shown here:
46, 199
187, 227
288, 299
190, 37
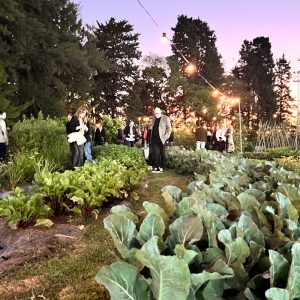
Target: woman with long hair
77, 141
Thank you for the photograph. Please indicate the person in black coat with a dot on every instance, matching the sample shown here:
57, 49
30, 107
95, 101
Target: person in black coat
130, 134
99, 137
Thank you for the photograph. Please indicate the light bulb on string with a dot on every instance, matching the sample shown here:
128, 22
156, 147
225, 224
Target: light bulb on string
190, 68
215, 93
164, 38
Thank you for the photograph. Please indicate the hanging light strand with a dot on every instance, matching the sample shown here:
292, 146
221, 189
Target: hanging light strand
173, 44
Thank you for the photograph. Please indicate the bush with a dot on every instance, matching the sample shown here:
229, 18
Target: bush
271, 154
111, 129
46, 136
184, 138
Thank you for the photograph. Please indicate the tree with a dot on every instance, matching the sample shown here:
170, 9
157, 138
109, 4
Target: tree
282, 87
197, 42
153, 83
114, 88
236, 88
255, 69
42, 53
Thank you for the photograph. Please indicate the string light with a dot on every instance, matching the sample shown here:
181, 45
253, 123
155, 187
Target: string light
189, 69
164, 38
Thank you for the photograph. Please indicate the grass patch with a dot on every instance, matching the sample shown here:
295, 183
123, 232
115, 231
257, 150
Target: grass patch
72, 275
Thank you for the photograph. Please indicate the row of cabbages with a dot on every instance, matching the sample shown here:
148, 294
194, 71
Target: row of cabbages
234, 234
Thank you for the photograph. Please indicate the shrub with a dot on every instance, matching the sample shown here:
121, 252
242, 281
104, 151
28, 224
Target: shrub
111, 129
46, 136
184, 138
271, 154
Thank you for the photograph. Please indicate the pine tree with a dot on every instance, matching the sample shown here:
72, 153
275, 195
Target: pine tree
255, 69
153, 83
114, 88
197, 42
282, 87
43, 53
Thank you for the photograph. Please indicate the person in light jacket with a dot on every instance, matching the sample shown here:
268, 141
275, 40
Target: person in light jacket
160, 132
3, 136
77, 125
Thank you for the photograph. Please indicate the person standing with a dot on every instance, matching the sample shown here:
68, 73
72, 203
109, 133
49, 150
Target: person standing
201, 136
221, 138
3, 136
160, 132
99, 136
87, 135
229, 136
130, 134
77, 140
120, 135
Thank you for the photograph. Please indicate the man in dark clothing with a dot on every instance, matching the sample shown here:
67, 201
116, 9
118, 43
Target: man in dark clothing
201, 136
160, 132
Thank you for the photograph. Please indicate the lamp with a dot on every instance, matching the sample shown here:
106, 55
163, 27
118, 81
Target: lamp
164, 38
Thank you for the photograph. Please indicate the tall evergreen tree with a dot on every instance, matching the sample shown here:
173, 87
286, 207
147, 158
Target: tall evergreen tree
153, 83
256, 68
114, 88
283, 76
197, 42
43, 53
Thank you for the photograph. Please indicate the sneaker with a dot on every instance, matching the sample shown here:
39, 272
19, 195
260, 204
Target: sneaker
150, 168
161, 170
156, 171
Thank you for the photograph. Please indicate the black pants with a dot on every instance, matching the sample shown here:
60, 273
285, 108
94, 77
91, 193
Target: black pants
158, 153
3, 151
77, 154
129, 143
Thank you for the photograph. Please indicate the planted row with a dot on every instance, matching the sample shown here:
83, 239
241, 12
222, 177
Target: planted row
82, 191
234, 234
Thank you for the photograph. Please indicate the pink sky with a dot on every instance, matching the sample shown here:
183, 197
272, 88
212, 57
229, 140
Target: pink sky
232, 20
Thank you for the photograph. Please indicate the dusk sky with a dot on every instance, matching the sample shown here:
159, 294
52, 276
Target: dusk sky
232, 20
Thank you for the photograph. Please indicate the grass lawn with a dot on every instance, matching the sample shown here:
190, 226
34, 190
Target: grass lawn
72, 274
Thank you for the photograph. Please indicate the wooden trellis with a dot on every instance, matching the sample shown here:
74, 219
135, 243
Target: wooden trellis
271, 135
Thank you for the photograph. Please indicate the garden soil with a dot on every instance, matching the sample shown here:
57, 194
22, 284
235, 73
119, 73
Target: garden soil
23, 245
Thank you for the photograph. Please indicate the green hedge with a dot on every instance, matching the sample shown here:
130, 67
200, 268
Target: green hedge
44, 135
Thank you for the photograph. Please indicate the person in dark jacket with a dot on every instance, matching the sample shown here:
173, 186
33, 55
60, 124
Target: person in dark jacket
99, 137
69, 118
130, 134
200, 135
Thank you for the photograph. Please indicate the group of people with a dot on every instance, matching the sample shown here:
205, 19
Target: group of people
79, 132
218, 137
154, 137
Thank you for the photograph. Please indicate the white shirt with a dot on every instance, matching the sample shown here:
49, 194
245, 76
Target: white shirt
3, 131
220, 133
131, 135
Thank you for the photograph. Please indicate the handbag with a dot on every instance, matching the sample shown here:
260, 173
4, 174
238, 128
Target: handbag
146, 151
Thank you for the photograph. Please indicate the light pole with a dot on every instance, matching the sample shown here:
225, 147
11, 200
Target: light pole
240, 121
298, 108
